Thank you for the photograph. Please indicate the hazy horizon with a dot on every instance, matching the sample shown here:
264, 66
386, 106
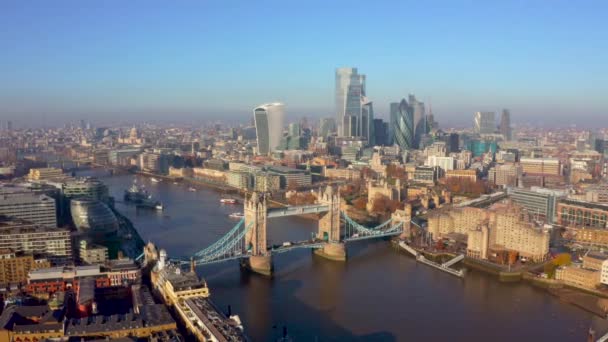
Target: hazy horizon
147, 61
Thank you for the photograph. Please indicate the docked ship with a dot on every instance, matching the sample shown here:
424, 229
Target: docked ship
155, 180
140, 197
229, 201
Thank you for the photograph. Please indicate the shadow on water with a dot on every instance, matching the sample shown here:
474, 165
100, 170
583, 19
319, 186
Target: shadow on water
267, 304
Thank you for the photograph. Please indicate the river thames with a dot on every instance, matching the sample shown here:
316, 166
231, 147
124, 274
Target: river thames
379, 294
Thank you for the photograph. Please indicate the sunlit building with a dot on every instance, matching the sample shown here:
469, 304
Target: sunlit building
269, 126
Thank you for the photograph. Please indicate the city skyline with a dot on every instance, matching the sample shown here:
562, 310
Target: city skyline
72, 62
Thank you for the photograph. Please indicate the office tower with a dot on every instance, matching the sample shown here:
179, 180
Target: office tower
420, 126
294, 130
9, 125
484, 122
350, 90
505, 124
367, 121
83, 124
380, 132
453, 142
269, 126
327, 126
402, 124
39, 209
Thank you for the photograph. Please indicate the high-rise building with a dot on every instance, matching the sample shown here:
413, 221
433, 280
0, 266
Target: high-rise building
420, 120
402, 124
505, 124
350, 91
380, 132
367, 122
294, 130
327, 126
485, 122
269, 126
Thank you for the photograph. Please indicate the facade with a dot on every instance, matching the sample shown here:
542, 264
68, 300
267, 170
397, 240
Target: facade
578, 276
382, 188
420, 119
93, 219
38, 174
484, 122
291, 177
541, 205
350, 91
14, 267
269, 126
92, 254
505, 175
468, 174
541, 166
90, 188
154, 162
426, 174
579, 214
347, 174
444, 163
21, 236
402, 124
327, 126
40, 209
478, 242
266, 182
604, 273
514, 232
505, 124
455, 220
239, 179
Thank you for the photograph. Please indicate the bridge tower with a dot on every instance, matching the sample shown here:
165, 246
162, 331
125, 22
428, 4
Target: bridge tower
329, 226
405, 217
256, 210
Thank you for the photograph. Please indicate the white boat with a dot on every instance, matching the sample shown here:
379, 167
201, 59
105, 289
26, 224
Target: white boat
191, 189
155, 180
159, 207
228, 201
237, 215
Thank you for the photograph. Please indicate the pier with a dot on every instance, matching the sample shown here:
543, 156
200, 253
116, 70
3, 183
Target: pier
443, 267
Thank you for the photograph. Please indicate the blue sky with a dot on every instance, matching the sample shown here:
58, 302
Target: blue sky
185, 60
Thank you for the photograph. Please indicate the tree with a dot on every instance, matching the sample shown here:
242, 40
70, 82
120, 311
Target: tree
562, 259
360, 203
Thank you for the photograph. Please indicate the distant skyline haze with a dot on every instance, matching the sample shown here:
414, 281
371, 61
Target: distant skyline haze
208, 60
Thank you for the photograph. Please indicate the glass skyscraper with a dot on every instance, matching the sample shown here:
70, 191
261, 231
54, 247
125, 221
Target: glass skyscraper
402, 124
485, 123
269, 126
327, 126
420, 126
350, 93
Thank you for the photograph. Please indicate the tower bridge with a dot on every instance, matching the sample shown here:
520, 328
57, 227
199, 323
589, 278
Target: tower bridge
247, 241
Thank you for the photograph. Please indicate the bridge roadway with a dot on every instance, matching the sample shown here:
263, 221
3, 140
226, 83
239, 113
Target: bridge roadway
297, 210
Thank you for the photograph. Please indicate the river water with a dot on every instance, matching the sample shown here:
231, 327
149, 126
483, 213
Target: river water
379, 294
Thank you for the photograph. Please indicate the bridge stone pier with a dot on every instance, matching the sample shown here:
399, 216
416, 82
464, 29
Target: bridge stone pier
404, 216
329, 226
260, 260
